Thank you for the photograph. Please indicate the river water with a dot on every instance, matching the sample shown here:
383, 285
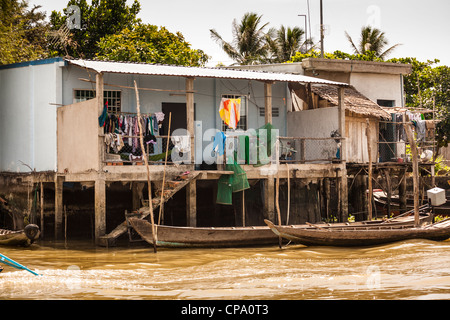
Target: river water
413, 269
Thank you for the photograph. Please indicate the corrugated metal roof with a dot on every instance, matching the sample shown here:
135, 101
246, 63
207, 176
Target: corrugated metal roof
170, 70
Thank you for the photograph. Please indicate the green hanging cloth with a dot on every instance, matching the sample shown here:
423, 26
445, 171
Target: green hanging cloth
229, 183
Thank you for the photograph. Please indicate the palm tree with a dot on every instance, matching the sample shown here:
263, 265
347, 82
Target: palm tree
249, 41
372, 39
285, 42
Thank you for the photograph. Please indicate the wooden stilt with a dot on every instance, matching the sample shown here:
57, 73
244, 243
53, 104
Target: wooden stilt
100, 209
415, 159
144, 154
369, 150
269, 208
402, 192
288, 194
191, 203
58, 207
243, 208
42, 208
387, 174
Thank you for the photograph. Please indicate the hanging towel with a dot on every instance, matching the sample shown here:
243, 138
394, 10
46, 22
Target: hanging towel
230, 110
219, 143
104, 116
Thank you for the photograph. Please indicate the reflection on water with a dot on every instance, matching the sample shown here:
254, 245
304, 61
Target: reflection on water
403, 270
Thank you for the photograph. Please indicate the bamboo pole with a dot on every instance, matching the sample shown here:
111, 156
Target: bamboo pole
370, 188
141, 139
415, 159
161, 203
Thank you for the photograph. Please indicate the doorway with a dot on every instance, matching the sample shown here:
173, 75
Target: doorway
179, 116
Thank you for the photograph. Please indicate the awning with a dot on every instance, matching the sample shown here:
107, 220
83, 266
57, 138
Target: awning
197, 72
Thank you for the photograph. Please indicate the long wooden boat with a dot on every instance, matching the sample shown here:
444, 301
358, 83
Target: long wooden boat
347, 237
23, 237
184, 237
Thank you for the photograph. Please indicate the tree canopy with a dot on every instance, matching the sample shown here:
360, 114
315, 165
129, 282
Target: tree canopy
22, 32
249, 44
148, 43
99, 19
371, 40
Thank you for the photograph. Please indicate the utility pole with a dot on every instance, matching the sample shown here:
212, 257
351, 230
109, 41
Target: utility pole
306, 31
321, 29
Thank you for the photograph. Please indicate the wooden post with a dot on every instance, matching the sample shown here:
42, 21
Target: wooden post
191, 203
100, 105
161, 203
341, 123
402, 192
343, 155
269, 208
387, 174
58, 206
42, 208
243, 208
190, 115
100, 208
288, 193
191, 188
415, 159
369, 151
268, 101
145, 156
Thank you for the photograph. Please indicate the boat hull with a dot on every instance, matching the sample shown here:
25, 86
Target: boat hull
347, 237
24, 237
185, 237
188, 237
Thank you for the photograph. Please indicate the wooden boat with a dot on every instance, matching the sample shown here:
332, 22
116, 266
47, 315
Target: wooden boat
185, 237
349, 236
173, 236
23, 237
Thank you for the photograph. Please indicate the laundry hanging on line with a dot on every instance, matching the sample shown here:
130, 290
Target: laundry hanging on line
230, 111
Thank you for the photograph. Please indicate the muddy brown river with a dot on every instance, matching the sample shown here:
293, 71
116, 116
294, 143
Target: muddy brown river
78, 271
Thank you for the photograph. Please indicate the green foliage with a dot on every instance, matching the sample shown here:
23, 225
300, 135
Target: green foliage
98, 20
249, 44
147, 43
22, 32
371, 40
368, 56
284, 43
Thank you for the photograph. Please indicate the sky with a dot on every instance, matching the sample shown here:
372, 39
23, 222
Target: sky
421, 27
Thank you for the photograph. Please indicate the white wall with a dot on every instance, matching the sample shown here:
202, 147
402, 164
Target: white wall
27, 118
379, 86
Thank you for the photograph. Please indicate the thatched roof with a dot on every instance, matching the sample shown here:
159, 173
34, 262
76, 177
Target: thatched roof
354, 101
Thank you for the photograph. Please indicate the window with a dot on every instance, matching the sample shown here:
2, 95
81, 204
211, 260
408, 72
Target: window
275, 112
113, 97
386, 103
242, 124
